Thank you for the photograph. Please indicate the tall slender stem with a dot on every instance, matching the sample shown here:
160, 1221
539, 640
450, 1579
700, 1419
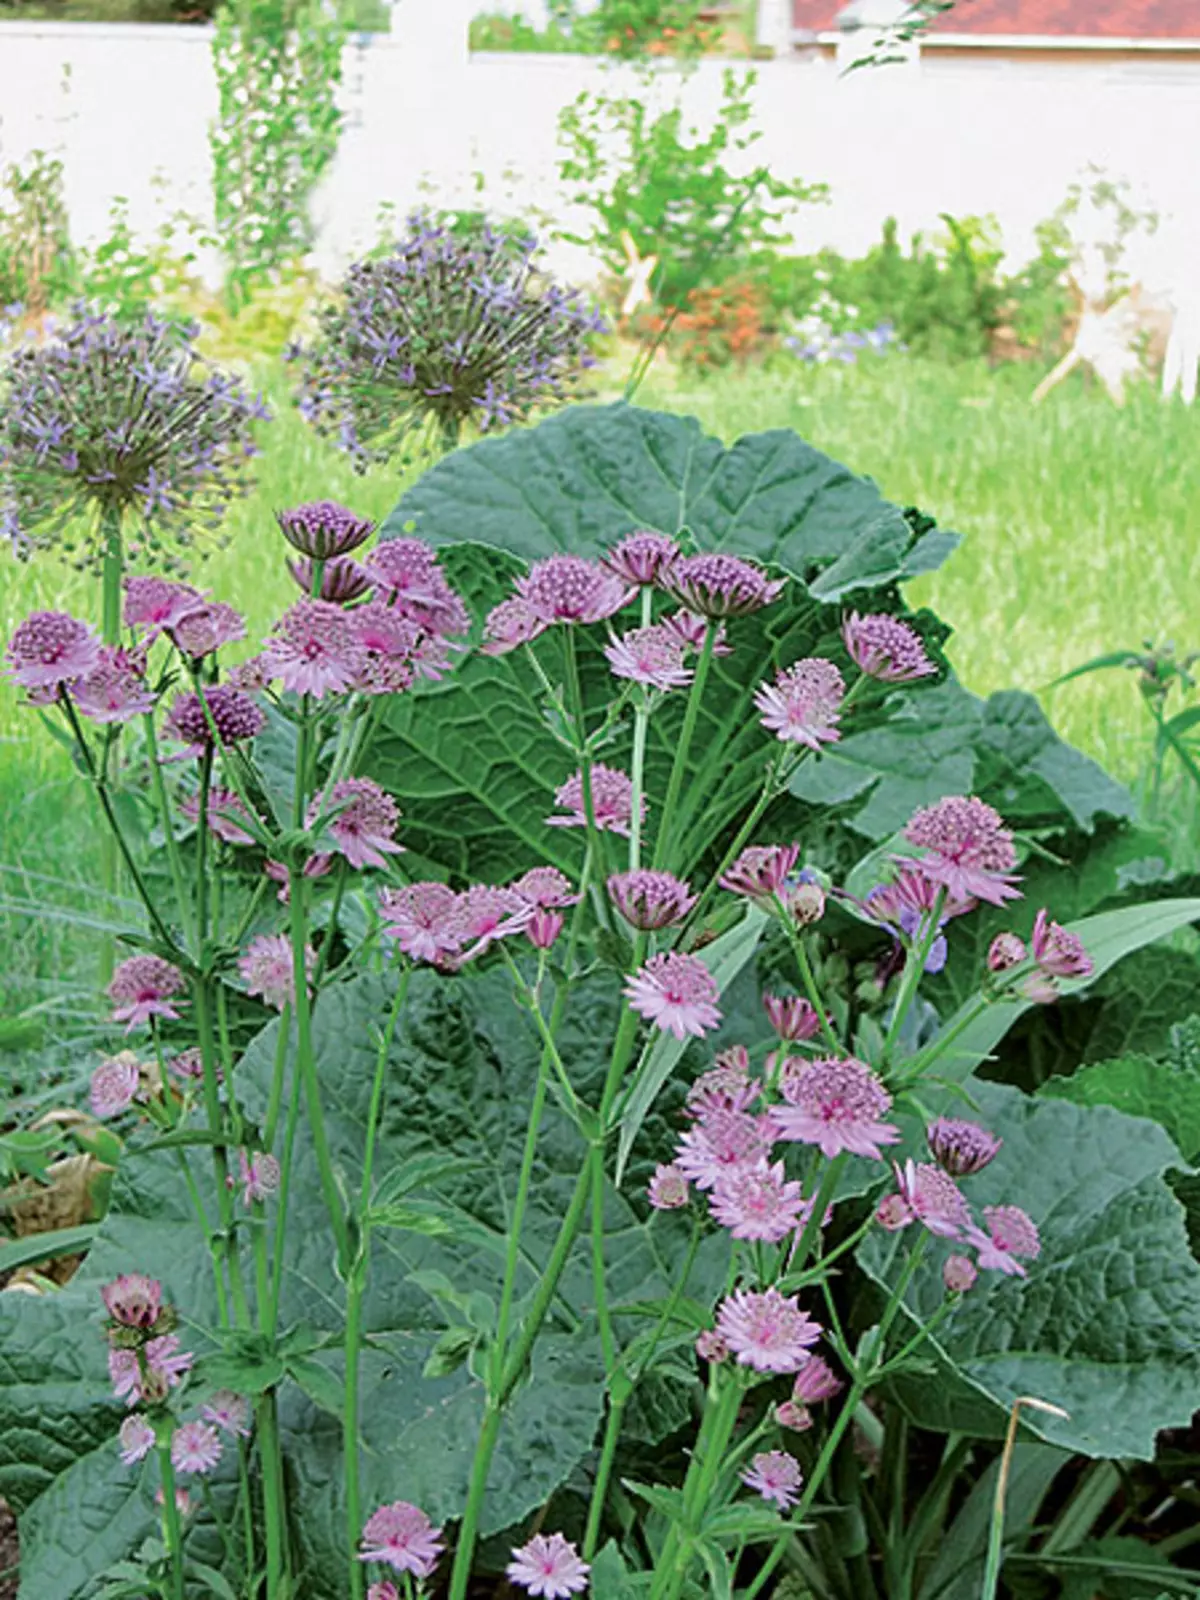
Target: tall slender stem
806, 973
274, 1495
110, 632
171, 1522
664, 839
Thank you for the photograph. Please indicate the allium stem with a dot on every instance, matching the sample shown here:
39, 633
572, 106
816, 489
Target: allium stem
112, 570
664, 839
171, 1524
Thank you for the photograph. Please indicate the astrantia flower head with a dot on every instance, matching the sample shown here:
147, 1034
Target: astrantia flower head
720, 585
225, 806
343, 579
314, 650
134, 1300
50, 648
761, 871
968, 850
548, 1566
508, 626
571, 589
757, 1202
711, 1347
115, 690
201, 632
407, 573
230, 1412
651, 656
195, 1447
1056, 952
427, 920
126, 419
815, 1381
364, 826
612, 801
268, 969
544, 886
143, 987
885, 648
932, 1197
677, 993
691, 631
722, 1142
650, 900
1006, 950
1010, 1238
324, 529
114, 1085
667, 1189
233, 714
385, 1589
767, 1330
836, 1103
959, 1274
166, 1367
137, 1438
642, 558
726, 1086
153, 605
793, 1018
803, 705
776, 1476
259, 1175
961, 1148
402, 1537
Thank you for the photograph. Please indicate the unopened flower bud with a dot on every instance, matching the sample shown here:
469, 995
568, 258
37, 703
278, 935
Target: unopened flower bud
961, 1148
668, 1189
711, 1347
806, 902
788, 1414
155, 1386
893, 1212
544, 927
1007, 950
959, 1274
792, 1018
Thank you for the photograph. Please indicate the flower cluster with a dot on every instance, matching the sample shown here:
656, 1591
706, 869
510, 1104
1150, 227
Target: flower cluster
439, 926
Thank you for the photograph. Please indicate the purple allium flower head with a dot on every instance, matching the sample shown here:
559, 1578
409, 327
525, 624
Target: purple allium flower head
234, 715
342, 579
761, 871
1011, 1236
720, 585
406, 571
776, 1476
959, 1274
803, 705
1057, 953
115, 690
364, 827
155, 604
402, 1537
651, 656
571, 589
195, 1447
114, 1085
968, 850
268, 969
134, 1300
650, 900
836, 1103
314, 650
723, 1141
961, 1148
203, 631
642, 558
323, 529
677, 993
137, 1438
50, 649
815, 1381
932, 1197
143, 987
427, 920
548, 1566
757, 1202
612, 801
225, 807
230, 1412
668, 1188
259, 1177
766, 1330
793, 1018
1006, 950
885, 648
508, 626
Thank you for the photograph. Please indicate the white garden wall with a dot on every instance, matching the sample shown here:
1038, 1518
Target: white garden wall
128, 108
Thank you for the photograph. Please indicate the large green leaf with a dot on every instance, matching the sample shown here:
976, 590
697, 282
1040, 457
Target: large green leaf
1105, 1324
1141, 1086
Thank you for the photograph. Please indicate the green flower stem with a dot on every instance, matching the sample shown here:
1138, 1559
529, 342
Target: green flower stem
278, 1072
335, 911
171, 843
664, 838
274, 1495
171, 1523
295, 1102
641, 726
924, 1059
768, 793
806, 973
721, 1413
914, 966
220, 1154
822, 1202
547, 1032
579, 717
111, 571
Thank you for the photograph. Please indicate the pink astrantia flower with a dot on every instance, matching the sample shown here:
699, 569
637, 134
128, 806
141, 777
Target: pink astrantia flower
385, 1589
643, 557
188, 1067
776, 1476
724, 1142
136, 1438
200, 632
166, 1365
757, 1202
114, 1086
815, 1381
427, 920
230, 1412
790, 1415
720, 585
677, 993
711, 1347
968, 850
224, 808
364, 826
143, 987
268, 969
885, 648
115, 690
133, 1300
651, 656
407, 572
314, 650
324, 529
125, 1375
932, 1197
402, 1537
259, 1176
726, 1086
1057, 953
508, 626
793, 1019
342, 579
959, 1274
51, 648
650, 900
233, 715
668, 1188
692, 630
544, 886
548, 1566
195, 1447
612, 801
803, 705
761, 871
389, 647
155, 604
961, 1148
836, 1103
766, 1330
166, 1361
1011, 1234
571, 589
1006, 950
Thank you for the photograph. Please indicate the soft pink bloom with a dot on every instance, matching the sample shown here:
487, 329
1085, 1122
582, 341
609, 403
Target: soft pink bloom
114, 690
650, 900
188, 1066
968, 850
571, 589
324, 529
543, 928
1006, 950
961, 1148
643, 557
711, 1347
803, 705
667, 1189
183, 1501
907, 900
342, 579
793, 1019
166, 1365
233, 715
766, 1330
125, 1375
259, 1176
677, 993
224, 808
268, 969
51, 648
143, 987
776, 1476
388, 647
195, 1447
836, 1103
722, 1142
114, 1085
959, 1274
401, 1536
364, 823
651, 656
720, 585
612, 801
932, 1197
1010, 1234
314, 650
761, 871
155, 604
407, 572
491, 912
508, 626
757, 1202
544, 886
691, 631
789, 1414
133, 1299
202, 631
166, 1361
549, 1566
385, 1589
137, 1438
726, 1086
815, 1381
1056, 952
427, 920
885, 648
230, 1412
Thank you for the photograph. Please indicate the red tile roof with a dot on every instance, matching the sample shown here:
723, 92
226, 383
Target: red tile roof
1096, 19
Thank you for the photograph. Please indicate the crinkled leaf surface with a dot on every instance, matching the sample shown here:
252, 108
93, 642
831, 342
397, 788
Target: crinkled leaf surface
1104, 1326
1141, 1086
